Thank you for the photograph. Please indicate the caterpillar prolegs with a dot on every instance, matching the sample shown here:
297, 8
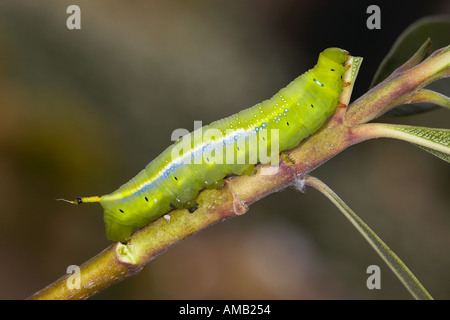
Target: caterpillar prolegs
232, 145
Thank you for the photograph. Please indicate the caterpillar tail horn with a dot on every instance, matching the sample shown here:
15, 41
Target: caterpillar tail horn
82, 200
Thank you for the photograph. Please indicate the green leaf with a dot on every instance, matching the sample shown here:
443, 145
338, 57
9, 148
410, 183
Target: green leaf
434, 28
443, 156
434, 140
392, 260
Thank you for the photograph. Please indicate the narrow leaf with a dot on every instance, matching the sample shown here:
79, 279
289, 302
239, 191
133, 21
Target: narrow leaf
428, 30
434, 140
443, 156
392, 260
434, 28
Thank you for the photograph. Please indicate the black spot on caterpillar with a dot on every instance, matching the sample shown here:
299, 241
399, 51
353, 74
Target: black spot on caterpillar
169, 181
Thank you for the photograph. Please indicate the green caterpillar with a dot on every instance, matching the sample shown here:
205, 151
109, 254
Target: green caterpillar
175, 177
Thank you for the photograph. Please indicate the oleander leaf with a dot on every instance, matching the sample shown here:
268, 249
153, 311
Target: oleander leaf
429, 31
408, 279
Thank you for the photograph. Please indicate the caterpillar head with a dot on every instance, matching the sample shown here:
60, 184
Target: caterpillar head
330, 69
335, 55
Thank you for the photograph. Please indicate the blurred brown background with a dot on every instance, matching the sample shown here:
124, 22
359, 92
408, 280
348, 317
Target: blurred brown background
83, 111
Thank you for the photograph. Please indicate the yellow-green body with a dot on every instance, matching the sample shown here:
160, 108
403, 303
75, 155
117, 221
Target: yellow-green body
172, 181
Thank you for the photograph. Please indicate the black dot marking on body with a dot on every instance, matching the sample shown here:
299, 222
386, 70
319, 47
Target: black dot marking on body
146, 199
176, 178
264, 138
287, 123
312, 105
191, 210
121, 210
172, 206
332, 70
